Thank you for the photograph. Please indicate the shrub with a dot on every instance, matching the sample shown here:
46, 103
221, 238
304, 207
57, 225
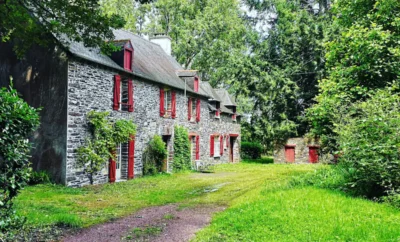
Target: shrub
331, 177
182, 152
250, 150
40, 177
105, 136
17, 121
154, 156
262, 160
369, 140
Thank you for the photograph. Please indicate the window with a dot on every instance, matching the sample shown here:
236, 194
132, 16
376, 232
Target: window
193, 110
217, 146
167, 103
123, 94
218, 111
234, 117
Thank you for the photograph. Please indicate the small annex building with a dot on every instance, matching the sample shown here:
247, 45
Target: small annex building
142, 82
297, 150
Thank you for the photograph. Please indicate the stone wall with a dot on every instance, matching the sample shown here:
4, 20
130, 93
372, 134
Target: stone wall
90, 87
301, 150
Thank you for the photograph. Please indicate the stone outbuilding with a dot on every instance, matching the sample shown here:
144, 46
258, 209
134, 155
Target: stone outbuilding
142, 82
297, 150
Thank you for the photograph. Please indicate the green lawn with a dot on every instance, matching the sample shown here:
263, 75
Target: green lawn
262, 207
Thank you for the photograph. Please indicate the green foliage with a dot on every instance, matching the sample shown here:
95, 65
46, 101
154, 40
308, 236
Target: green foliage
368, 137
330, 177
262, 160
182, 159
105, 137
40, 177
363, 55
29, 22
17, 121
250, 150
154, 156
287, 59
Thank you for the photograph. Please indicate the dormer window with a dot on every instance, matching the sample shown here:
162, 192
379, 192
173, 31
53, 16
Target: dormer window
218, 110
196, 84
128, 56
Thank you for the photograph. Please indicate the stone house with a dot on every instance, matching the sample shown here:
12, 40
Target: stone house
142, 82
297, 150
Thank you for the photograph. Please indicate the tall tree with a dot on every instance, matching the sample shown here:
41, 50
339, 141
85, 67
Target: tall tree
27, 22
363, 56
289, 59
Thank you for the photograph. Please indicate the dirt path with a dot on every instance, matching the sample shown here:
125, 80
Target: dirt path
164, 223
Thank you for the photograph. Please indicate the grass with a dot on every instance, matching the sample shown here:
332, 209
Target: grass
83, 207
264, 204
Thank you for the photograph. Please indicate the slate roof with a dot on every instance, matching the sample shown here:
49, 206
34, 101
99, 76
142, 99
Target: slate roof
149, 62
225, 97
210, 91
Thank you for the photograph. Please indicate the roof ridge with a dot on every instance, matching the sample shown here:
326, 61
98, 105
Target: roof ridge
129, 32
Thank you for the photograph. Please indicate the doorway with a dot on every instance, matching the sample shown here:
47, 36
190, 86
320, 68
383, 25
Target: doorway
167, 141
231, 148
118, 163
290, 153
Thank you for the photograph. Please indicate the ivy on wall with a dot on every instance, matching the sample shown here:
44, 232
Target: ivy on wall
182, 152
105, 137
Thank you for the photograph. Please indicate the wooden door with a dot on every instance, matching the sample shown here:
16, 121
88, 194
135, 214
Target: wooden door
313, 154
231, 144
289, 154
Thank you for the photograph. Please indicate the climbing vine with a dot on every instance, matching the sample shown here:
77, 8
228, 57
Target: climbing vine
104, 138
181, 149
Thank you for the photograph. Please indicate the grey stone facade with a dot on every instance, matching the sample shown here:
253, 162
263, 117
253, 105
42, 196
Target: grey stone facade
90, 87
301, 150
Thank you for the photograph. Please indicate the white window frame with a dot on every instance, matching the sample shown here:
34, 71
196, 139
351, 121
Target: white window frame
217, 146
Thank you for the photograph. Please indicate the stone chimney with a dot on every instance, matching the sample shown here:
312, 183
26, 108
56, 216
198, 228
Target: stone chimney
162, 40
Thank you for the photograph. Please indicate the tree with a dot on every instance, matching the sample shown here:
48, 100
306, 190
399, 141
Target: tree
17, 121
286, 61
105, 137
363, 55
27, 22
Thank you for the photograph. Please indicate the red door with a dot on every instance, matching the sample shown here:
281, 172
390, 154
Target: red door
313, 154
289, 154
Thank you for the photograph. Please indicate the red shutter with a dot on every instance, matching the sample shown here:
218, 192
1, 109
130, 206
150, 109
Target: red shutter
130, 96
117, 91
198, 110
212, 145
162, 110
131, 158
173, 104
221, 145
128, 60
196, 84
112, 167
189, 108
197, 147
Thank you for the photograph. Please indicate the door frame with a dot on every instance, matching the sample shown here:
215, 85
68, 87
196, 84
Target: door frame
290, 147
232, 140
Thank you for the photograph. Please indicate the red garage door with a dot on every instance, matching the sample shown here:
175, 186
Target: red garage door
289, 153
313, 154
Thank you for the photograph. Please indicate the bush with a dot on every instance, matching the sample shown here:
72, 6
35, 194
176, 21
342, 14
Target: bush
369, 140
331, 177
250, 150
105, 136
154, 156
262, 160
182, 152
17, 121
40, 177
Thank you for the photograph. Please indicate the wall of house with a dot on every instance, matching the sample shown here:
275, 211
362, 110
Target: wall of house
91, 88
41, 79
301, 150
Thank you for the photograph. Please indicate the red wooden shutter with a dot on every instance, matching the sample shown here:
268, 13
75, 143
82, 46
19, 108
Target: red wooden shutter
112, 169
130, 96
190, 108
212, 145
128, 60
117, 91
173, 104
221, 145
196, 84
131, 157
162, 110
197, 147
198, 110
